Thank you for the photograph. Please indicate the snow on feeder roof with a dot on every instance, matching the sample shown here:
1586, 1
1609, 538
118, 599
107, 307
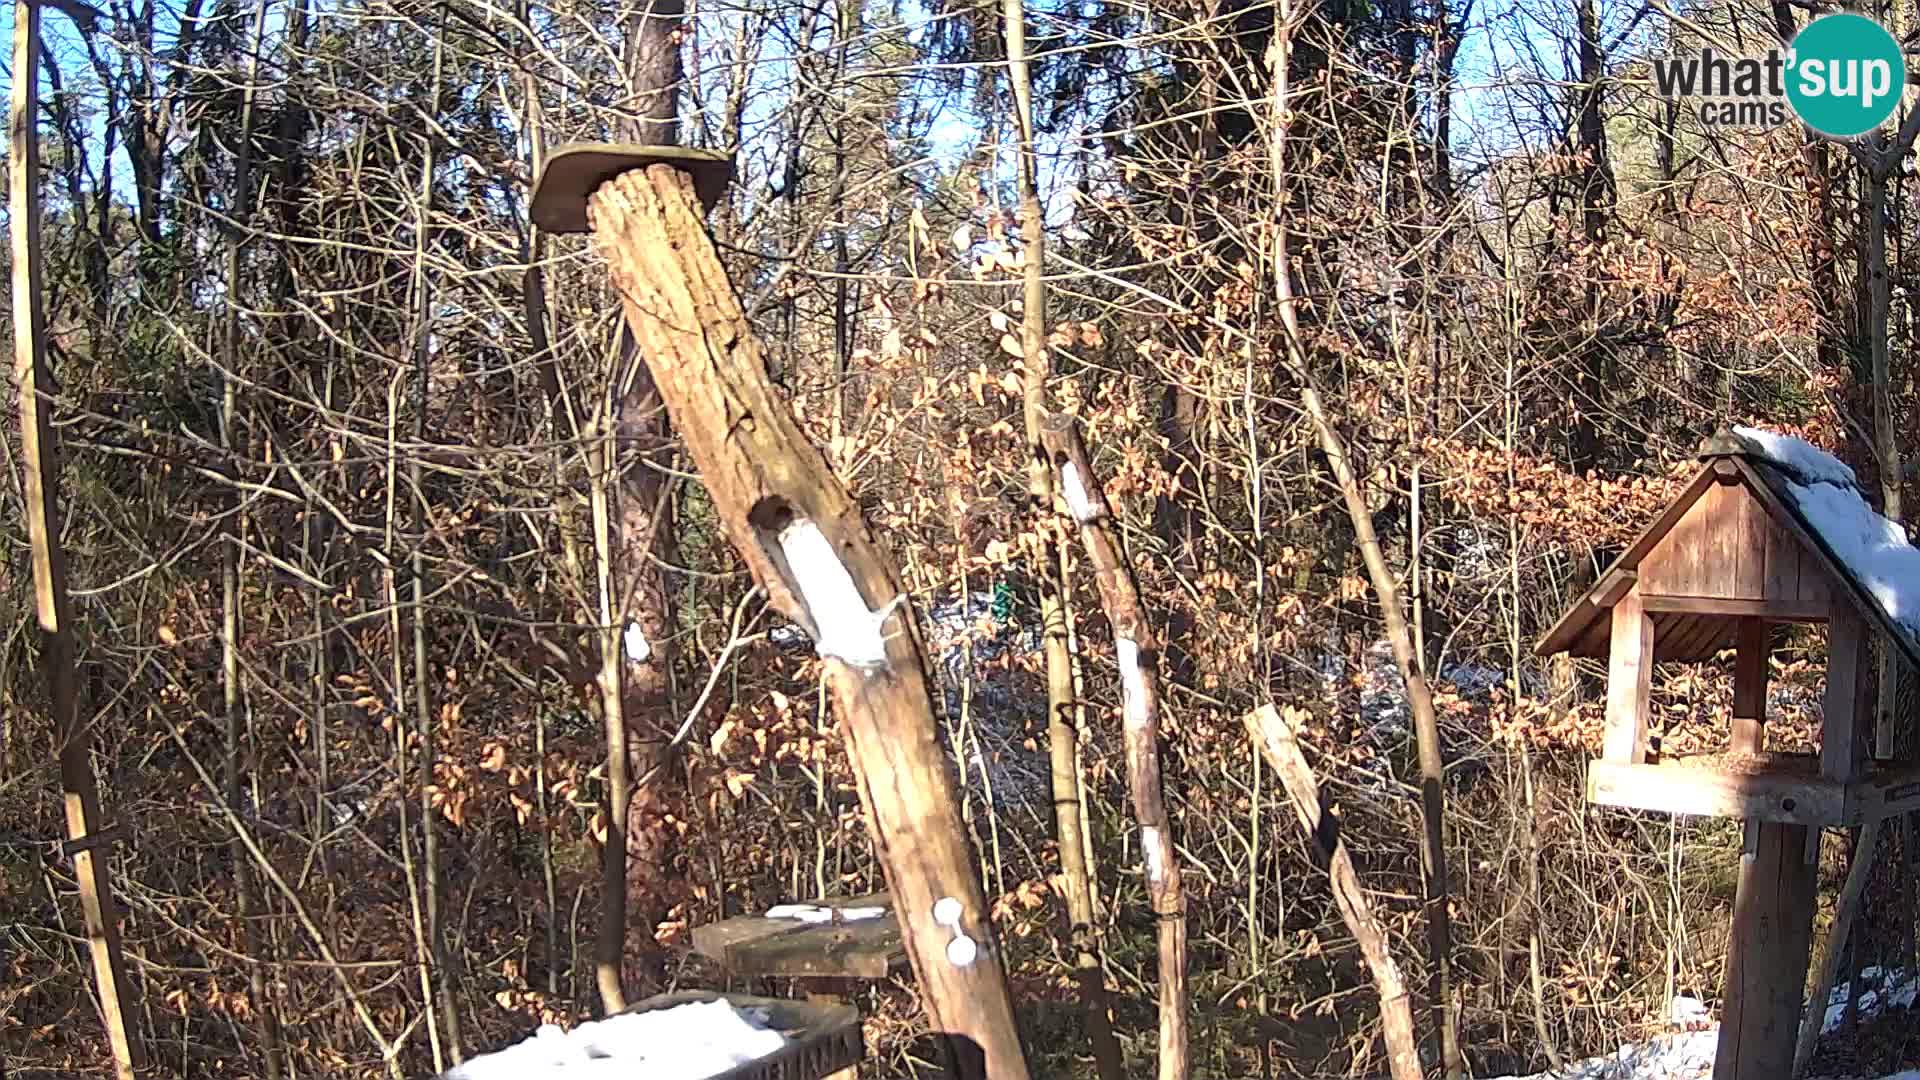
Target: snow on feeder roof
1770, 526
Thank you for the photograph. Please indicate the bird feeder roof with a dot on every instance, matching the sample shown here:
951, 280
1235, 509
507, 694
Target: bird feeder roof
1770, 526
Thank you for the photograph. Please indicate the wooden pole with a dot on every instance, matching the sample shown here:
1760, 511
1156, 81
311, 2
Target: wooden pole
1272, 733
1828, 969
1139, 659
1772, 910
40, 445
805, 541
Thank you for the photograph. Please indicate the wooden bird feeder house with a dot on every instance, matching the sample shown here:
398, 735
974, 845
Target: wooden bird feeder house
1768, 532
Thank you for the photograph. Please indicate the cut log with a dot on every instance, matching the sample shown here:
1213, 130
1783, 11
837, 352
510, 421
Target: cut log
805, 541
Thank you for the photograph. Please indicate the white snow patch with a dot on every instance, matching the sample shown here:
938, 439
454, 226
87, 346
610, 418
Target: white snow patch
1879, 991
815, 913
1075, 490
686, 1042
1874, 550
639, 649
1688, 1010
1805, 460
847, 631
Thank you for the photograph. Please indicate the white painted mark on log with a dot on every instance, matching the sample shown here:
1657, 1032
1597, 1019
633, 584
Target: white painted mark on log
845, 629
639, 649
1133, 681
961, 951
1075, 490
1150, 842
947, 911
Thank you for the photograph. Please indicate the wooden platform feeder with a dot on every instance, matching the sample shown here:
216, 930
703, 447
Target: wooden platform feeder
1734, 555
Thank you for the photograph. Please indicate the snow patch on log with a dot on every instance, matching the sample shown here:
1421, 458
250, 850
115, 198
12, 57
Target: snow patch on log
845, 629
1075, 490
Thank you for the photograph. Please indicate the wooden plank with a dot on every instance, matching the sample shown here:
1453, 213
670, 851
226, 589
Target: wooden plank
1766, 608
1816, 586
1612, 587
1841, 719
1893, 672
1699, 786
1884, 792
1749, 528
1750, 686
1273, 735
1783, 568
1675, 565
40, 446
865, 949
1858, 870
1767, 957
1629, 681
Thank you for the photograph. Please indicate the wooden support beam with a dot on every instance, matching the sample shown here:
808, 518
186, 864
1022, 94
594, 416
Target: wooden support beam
1750, 686
1629, 682
1712, 786
805, 541
1274, 736
1138, 657
1612, 587
41, 450
1785, 609
1846, 682
1767, 956
1831, 949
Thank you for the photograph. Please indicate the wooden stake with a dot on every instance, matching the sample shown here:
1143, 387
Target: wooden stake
805, 541
1138, 656
40, 443
1274, 736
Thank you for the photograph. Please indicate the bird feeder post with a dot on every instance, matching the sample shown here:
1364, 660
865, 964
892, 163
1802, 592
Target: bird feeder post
806, 542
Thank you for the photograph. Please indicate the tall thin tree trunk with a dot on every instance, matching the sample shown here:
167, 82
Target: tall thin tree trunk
444, 983
1433, 856
1062, 736
234, 693
40, 499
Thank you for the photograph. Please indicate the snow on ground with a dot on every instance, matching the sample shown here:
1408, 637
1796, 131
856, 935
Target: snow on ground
686, 1042
1826, 493
1687, 1054
1879, 991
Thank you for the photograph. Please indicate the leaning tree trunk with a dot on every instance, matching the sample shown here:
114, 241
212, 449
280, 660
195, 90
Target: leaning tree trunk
40, 497
805, 541
1138, 654
1433, 852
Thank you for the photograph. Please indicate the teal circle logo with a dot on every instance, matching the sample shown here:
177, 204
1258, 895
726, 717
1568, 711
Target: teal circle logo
1845, 74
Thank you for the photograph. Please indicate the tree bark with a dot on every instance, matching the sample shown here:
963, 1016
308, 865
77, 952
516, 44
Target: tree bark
53, 607
806, 542
1274, 735
1433, 855
1062, 733
1139, 658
